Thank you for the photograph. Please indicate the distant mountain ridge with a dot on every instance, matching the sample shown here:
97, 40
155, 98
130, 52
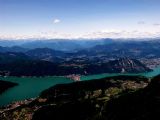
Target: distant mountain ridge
106, 47
56, 44
133, 49
12, 49
19, 64
45, 54
79, 57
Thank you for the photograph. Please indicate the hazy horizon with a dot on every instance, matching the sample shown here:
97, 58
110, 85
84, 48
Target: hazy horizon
74, 19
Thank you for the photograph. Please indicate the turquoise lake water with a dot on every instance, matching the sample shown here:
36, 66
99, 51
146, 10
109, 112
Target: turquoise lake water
31, 87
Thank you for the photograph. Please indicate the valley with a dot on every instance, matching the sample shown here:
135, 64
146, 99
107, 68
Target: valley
79, 60
38, 84
104, 55
45, 75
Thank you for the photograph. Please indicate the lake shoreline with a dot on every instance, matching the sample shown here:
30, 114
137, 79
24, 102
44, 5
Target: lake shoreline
45, 82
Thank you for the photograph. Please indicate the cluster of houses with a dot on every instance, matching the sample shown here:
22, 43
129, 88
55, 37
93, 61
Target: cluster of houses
74, 77
4, 73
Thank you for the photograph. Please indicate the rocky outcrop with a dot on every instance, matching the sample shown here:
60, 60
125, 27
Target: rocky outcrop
127, 65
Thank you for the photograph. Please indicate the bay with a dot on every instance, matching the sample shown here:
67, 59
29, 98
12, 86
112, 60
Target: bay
30, 87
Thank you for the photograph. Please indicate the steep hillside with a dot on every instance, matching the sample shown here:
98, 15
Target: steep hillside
19, 64
127, 65
4, 85
122, 65
141, 105
84, 100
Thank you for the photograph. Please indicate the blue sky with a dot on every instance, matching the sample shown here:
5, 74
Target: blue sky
79, 18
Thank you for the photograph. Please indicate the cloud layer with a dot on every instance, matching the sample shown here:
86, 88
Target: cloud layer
90, 35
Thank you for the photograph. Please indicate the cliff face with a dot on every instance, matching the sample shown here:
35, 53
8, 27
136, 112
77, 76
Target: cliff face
127, 65
122, 65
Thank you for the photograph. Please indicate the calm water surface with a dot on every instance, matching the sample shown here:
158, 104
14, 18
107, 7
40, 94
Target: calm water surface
31, 87
28, 87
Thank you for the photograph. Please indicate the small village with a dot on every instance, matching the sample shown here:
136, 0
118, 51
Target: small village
74, 77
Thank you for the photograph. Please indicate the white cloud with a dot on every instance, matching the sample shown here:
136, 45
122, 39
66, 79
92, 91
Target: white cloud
107, 33
55, 21
122, 34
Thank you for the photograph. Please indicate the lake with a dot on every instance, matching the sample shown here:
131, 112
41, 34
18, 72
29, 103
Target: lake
31, 87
